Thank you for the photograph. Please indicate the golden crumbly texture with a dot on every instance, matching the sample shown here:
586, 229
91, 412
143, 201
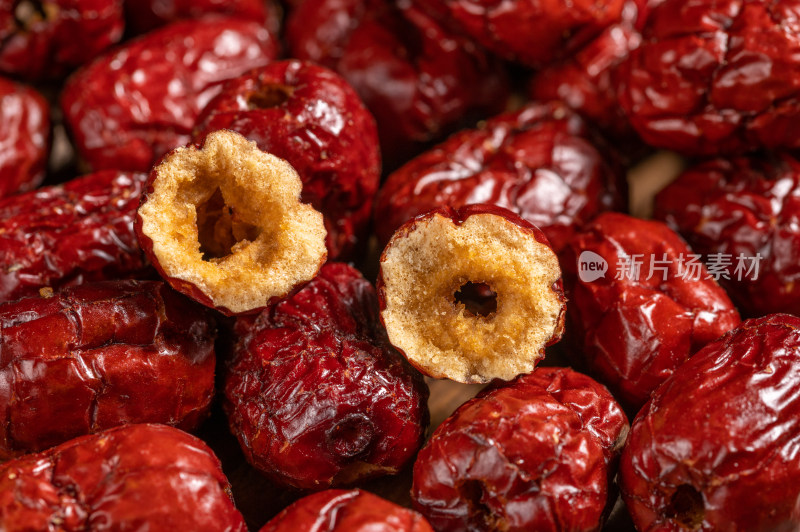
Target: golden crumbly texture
423, 269
287, 238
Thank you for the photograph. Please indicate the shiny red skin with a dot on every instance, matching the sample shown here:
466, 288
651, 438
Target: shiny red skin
716, 77
100, 355
142, 16
743, 206
61, 36
24, 137
309, 116
633, 334
70, 234
346, 511
727, 425
533, 32
419, 79
536, 453
131, 106
135, 477
538, 162
315, 393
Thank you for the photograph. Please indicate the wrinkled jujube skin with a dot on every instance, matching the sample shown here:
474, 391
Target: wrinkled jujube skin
419, 79
533, 32
46, 39
715, 77
135, 477
315, 393
70, 234
346, 511
633, 331
538, 162
131, 106
309, 116
716, 446
96, 356
142, 16
743, 207
24, 137
537, 453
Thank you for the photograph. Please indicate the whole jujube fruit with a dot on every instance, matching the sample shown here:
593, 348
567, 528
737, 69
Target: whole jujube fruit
536, 453
309, 116
716, 446
746, 210
315, 393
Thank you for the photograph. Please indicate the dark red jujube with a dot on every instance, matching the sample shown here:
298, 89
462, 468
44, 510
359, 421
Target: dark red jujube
142, 16
537, 453
316, 394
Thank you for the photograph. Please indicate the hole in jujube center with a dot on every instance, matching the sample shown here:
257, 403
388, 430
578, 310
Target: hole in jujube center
27, 12
478, 298
472, 491
686, 507
268, 96
219, 229
351, 436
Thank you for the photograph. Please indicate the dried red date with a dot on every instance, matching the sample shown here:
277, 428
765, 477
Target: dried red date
419, 79
136, 477
346, 511
310, 117
69, 234
131, 106
716, 446
639, 305
716, 76
24, 137
739, 209
145, 15
45, 39
538, 162
537, 453
100, 355
316, 394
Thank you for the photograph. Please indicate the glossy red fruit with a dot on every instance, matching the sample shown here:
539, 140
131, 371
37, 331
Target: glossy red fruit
96, 356
309, 116
136, 477
46, 39
24, 137
641, 304
746, 209
538, 162
537, 453
418, 78
316, 394
347, 511
716, 77
142, 16
70, 234
716, 446
131, 106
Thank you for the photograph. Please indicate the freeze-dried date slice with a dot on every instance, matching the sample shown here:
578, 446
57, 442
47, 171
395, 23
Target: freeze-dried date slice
537, 453
641, 303
96, 356
136, 477
45, 39
316, 394
743, 215
472, 294
131, 106
538, 162
346, 511
309, 116
716, 446
223, 223
24, 137
419, 79
715, 77
145, 15
70, 234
